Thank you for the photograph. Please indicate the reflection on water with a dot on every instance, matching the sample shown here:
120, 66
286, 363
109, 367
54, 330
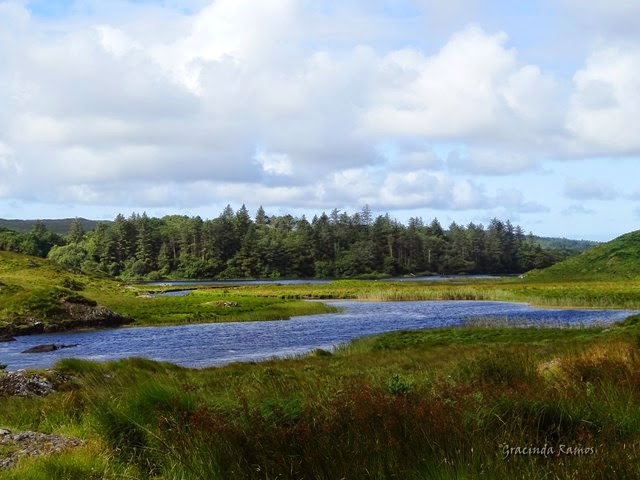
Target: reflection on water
219, 343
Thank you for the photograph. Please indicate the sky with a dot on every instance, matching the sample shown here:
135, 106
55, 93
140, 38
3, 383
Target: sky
463, 110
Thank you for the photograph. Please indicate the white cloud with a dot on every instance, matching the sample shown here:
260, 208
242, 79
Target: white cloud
611, 17
429, 189
577, 209
473, 87
513, 201
9, 168
583, 189
235, 31
304, 103
605, 105
491, 162
275, 163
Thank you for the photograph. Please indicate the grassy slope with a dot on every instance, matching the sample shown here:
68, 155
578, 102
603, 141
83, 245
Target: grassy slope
615, 260
30, 290
415, 405
429, 404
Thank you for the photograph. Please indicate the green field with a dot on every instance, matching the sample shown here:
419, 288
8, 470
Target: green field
416, 405
34, 290
483, 401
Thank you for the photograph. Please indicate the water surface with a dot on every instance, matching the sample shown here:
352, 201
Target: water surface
210, 344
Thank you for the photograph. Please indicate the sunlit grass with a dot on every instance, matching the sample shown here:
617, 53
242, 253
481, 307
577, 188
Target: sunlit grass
428, 404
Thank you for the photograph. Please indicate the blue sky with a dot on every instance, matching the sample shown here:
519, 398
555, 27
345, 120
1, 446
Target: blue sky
463, 110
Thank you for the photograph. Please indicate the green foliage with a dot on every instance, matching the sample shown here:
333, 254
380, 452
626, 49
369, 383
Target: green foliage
439, 407
73, 284
398, 385
79, 465
235, 246
615, 260
501, 367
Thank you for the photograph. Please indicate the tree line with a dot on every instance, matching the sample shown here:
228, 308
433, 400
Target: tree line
235, 245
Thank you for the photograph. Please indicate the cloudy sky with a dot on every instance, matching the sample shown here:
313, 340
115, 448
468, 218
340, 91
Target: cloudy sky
462, 110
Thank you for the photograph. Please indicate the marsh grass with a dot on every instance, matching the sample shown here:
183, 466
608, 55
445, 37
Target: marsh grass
30, 289
427, 404
416, 405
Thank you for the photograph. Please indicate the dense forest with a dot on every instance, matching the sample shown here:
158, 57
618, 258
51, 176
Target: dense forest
234, 245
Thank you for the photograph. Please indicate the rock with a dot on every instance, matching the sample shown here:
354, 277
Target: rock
7, 338
31, 444
24, 385
50, 347
75, 313
22, 436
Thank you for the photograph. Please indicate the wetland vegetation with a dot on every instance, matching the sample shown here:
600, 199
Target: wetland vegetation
483, 401
453, 403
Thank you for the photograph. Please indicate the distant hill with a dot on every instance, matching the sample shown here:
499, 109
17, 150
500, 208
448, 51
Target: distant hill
564, 243
59, 226
617, 259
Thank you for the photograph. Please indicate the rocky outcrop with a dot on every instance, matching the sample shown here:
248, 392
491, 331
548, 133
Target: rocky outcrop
23, 384
14, 445
48, 347
72, 316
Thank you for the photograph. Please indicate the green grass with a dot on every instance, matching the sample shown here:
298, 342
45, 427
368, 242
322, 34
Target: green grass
416, 405
31, 290
442, 403
586, 294
618, 259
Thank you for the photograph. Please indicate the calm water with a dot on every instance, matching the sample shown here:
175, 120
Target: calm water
433, 278
184, 283
220, 343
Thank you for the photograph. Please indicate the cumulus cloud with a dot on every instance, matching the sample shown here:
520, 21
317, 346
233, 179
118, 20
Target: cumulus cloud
9, 168
583, 189
294, 104
491, 162
422, 188
577, 209
513, 201
473, 87
275, 163
617, 17
605, 104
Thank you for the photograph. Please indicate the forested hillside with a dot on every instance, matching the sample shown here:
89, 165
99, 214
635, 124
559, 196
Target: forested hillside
59, 226
234, 245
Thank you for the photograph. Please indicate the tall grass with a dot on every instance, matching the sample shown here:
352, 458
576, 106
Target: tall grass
457, 403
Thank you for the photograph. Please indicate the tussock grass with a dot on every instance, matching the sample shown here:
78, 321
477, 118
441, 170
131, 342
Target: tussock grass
30, 288
430, 404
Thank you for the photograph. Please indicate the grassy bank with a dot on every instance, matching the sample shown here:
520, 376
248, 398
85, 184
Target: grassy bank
455, 403
35, 292
585, 294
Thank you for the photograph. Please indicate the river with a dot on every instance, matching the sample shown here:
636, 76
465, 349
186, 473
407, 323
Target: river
202, 345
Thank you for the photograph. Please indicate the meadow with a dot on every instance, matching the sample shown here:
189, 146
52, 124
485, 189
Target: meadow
482, 401
475, 402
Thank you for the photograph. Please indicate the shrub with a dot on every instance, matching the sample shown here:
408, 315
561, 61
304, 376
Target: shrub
398, 385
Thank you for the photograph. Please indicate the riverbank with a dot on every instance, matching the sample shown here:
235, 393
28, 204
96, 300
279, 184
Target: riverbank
37, 296
449, 403
208, 344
